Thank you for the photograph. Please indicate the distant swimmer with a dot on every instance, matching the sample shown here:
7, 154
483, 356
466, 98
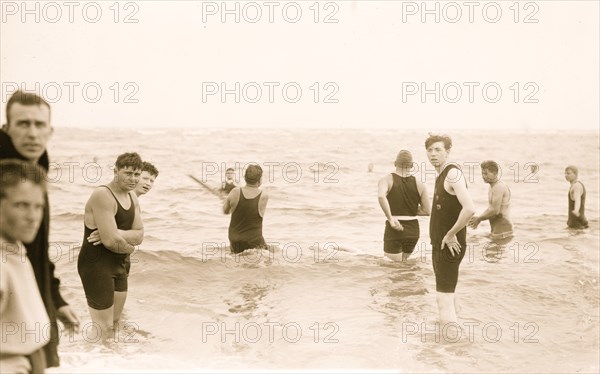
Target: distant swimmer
229, 183
576, 198
499, 205
114, 211
247, 206
370, 167
147, 178
451, 210
402, 198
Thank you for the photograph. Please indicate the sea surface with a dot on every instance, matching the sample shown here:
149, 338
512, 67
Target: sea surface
325, 298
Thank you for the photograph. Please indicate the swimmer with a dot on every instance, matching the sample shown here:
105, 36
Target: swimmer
402, 197
229, 183
247, 206
451, 210
576, 197
114, 211
499, 205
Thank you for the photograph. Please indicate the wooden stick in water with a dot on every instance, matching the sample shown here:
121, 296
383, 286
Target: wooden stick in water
212, 190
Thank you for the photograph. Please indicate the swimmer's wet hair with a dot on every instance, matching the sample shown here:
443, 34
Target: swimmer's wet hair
24, 98
132, 160
253, 174
151, 169
13, 172
490, 165
434, 138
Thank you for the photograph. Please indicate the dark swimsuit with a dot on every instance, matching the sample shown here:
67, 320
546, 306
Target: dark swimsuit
573, 221
444, 214
404, 201
245, 228
101, 270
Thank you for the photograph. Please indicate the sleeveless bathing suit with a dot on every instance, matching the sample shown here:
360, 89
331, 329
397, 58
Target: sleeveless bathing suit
101, 270
444, 214
404, 200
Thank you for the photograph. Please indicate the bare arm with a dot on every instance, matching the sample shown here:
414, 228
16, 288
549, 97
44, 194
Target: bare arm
424, 206
262, 203
135, 235
231, 201
384, 186
456, 183
495, 206
456, 180
102, 206
576, 193
382, 190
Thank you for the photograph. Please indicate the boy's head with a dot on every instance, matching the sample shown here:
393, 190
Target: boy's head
22, 200
571, 173
147, 178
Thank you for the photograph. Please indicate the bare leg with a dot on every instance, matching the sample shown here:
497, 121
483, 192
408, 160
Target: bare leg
446, 307
104, 320
120, 298
397, 257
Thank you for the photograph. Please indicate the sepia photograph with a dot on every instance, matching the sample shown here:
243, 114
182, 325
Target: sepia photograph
303, 186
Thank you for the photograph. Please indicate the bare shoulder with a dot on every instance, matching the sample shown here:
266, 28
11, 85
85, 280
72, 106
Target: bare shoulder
386, 178
454, 175
101, 195
135, 199
500, 188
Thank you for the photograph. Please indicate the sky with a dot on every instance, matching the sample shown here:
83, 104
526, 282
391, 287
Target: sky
504, 65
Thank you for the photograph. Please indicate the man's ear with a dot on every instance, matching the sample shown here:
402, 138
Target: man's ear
5, 126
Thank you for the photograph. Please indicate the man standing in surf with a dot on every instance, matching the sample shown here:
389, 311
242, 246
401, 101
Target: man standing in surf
499, 205
402, 197
114, 211
576, 198
452, 208
247, 206
229, 183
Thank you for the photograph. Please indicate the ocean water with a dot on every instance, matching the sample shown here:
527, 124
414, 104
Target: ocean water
325, 298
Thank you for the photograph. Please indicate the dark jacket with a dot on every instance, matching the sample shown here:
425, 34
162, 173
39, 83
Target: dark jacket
37, 252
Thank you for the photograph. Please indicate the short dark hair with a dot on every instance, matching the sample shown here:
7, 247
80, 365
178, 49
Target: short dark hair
573, 168
434, 138
24, 98
253, 174
13, 172
490, 165
129, 159
229, 169
151, 169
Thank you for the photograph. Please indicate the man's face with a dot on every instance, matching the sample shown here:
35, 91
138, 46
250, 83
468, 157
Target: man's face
29, 129
488, 176
128, 177
145, 184
570, 176
21, 212
437, 154
229, 175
